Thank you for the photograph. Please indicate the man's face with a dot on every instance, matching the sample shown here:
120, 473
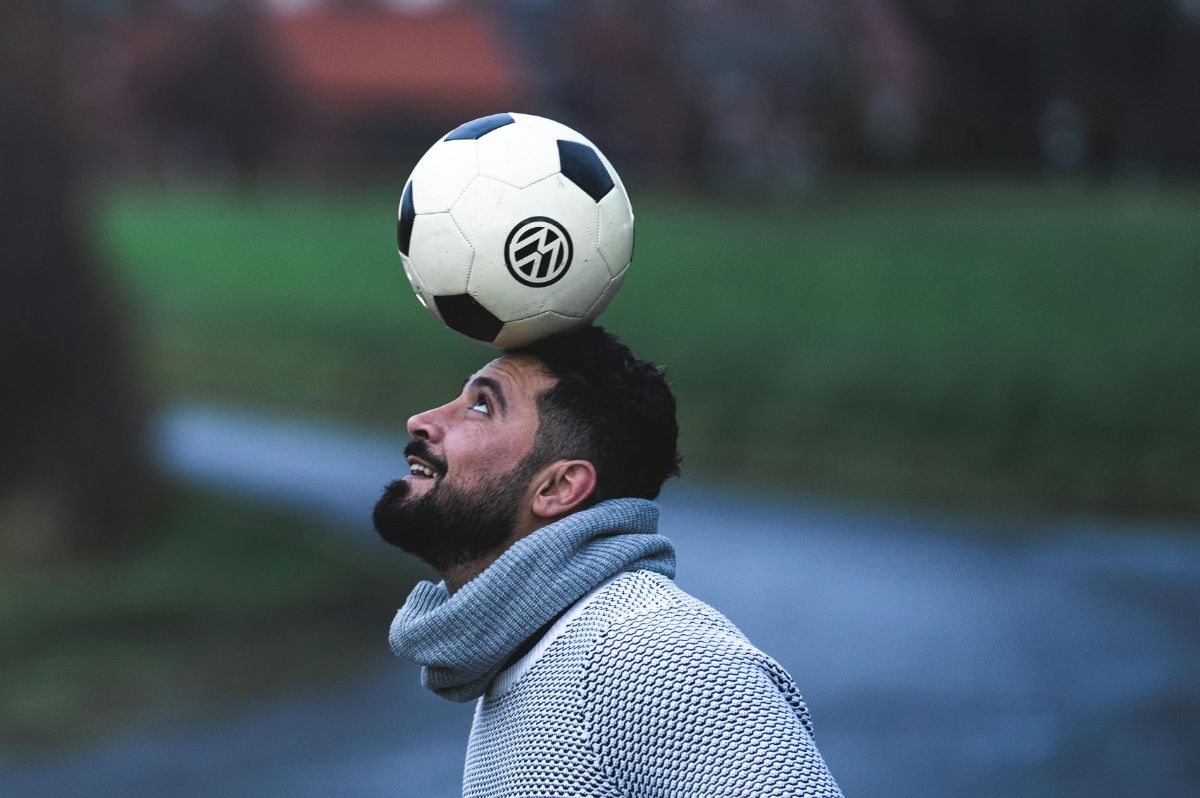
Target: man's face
470, 475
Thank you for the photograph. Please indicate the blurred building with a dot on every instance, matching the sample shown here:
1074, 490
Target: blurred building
308, 87
385, 83
751, 96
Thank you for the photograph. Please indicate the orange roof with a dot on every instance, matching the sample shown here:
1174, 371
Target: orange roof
448, 62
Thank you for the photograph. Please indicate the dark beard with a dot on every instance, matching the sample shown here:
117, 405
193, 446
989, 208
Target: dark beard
448, 527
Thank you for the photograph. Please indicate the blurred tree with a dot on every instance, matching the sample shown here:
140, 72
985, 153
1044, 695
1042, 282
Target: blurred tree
73, 473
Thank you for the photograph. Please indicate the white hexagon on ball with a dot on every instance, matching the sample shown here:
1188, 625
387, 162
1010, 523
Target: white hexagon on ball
441, 175
438, 254
519, 155
614, 235
610, 291
556, 130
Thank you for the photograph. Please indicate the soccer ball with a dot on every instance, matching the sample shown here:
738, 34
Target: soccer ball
513, 228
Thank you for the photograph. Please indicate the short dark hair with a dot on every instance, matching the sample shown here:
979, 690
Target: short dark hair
609, 408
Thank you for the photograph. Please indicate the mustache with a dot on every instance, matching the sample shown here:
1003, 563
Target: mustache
419, 448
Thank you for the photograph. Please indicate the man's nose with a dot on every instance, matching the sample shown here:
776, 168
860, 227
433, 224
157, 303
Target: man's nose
427, 425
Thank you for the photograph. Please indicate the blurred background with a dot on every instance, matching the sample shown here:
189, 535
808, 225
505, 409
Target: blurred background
925, 275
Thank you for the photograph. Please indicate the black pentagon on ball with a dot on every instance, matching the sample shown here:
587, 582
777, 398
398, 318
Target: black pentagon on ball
480, 127
462, 313
405, 224
582, 166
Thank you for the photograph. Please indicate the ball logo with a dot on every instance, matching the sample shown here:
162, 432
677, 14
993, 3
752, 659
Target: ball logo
538, 252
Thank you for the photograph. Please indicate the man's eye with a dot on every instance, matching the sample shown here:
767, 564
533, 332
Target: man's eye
481, 404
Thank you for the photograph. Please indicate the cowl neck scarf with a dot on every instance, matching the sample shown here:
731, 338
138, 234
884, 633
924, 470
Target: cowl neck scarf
464, 640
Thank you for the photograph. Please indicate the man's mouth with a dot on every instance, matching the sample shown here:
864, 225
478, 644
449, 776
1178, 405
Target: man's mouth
419, 468
422, 462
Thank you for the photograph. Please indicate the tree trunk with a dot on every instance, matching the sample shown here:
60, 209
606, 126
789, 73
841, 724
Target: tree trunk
73, 472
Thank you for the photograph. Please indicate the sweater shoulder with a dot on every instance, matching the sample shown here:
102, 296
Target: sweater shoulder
663, 633
674, 694
639, 594
642, 609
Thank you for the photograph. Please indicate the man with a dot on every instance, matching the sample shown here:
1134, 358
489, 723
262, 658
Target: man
530, 493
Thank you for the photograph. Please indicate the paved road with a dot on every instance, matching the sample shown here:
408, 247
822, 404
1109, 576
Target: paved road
940, 656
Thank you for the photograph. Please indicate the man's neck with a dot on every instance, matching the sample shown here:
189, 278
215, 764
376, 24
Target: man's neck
457, 575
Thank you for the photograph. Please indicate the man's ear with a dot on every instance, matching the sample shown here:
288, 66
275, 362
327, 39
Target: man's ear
562, 487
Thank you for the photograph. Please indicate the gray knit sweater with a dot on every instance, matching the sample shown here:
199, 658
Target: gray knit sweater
643, 690
633, 688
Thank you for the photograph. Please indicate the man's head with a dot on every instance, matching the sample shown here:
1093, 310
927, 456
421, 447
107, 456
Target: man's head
535, 435
609, 408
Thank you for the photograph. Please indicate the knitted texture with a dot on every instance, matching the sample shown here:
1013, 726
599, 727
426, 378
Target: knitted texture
463, 640
646, 693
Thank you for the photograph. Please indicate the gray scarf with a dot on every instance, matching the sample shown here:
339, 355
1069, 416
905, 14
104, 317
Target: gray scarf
464, 640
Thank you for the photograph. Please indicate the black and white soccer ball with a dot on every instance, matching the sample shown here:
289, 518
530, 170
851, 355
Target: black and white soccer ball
513, 228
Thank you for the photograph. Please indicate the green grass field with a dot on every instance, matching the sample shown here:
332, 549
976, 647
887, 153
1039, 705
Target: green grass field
221, 602
1009, 344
